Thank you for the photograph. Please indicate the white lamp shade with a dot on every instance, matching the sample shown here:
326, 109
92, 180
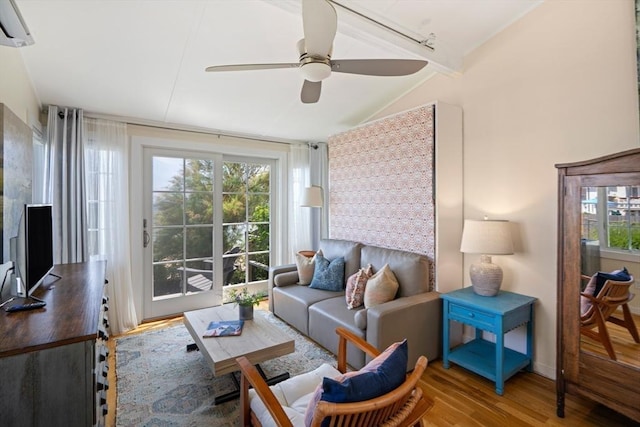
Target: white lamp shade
489, 237
312, 197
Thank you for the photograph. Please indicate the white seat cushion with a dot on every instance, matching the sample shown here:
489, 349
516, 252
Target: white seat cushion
293, 394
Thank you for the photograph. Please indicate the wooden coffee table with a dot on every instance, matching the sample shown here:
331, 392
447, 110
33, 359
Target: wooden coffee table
260, 340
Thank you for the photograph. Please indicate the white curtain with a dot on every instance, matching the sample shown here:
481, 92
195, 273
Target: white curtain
319, 175
64, 179
107, 157
299, 217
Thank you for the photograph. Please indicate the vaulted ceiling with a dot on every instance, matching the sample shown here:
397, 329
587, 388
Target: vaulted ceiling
144, 60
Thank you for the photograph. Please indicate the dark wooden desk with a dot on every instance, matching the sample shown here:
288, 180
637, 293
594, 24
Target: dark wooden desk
51, 358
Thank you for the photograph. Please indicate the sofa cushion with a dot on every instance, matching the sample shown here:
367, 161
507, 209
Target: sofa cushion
356, 284
306, 267
381, 287
291, 303
328, 275
324, 317
350, 251
411, 269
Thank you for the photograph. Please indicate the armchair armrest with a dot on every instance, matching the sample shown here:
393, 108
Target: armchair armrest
279, 270
344, 336
417, 318
251, 377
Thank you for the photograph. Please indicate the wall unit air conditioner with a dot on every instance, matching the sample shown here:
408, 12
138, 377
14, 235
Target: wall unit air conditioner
13, 30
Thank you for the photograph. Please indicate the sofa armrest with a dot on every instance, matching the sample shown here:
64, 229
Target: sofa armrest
417, 318
289, 279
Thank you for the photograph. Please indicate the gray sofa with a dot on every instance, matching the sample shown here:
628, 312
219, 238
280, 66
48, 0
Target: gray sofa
415, 313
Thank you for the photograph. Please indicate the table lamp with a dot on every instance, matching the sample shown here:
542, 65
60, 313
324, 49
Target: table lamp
486, 237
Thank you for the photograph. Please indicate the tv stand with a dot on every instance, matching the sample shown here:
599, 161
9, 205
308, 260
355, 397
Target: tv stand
59, 348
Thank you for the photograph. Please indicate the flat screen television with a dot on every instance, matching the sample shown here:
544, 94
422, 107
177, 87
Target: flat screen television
34, 247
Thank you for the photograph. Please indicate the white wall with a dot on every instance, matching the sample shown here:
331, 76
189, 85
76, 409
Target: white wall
16, 90
557, 86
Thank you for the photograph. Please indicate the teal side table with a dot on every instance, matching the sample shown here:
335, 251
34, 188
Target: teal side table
498, 315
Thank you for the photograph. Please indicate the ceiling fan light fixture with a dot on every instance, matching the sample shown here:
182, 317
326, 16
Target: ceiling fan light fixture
315, 71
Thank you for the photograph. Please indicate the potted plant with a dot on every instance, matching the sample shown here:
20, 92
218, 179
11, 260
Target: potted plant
245, 301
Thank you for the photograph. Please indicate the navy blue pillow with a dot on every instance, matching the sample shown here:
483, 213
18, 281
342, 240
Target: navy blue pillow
382, 375
328, 276
618, 276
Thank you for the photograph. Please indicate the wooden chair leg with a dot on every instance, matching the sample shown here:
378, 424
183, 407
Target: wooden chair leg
604, 337
629, 323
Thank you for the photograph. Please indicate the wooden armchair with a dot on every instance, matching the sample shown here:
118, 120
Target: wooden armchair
403, 406
613, 294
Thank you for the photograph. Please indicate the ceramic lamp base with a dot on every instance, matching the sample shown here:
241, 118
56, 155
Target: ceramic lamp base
486, 277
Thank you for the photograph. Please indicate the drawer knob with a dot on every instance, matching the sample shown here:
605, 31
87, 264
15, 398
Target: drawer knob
472, 315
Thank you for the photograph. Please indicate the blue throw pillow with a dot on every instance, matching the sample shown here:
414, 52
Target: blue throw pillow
328, 276
380, 376
617, 275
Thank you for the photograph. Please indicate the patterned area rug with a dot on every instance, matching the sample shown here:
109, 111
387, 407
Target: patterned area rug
159, 383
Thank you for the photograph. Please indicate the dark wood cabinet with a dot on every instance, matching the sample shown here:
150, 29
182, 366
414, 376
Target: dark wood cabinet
594, 375
53, 359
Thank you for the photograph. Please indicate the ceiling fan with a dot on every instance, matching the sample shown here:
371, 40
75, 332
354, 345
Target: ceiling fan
320, 22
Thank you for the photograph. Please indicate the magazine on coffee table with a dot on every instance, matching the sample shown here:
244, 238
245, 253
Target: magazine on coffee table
224, 328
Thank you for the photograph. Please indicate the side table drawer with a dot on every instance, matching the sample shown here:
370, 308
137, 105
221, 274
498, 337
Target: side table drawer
482, 320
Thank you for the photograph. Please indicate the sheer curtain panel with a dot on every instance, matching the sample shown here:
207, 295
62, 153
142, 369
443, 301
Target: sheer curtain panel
107, 176
319, 175
65, 181
300, 218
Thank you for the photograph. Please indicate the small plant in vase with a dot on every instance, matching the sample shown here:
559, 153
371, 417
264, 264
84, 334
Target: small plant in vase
245, 301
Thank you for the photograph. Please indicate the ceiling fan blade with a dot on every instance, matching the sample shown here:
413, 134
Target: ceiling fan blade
320, 23
310, 92
247, 67
378, 67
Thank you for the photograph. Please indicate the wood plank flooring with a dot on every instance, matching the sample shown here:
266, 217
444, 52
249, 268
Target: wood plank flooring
463, 398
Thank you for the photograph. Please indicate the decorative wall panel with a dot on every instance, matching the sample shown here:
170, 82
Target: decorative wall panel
16, 152
381, 183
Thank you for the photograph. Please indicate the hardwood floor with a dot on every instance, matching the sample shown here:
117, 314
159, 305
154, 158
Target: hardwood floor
466, 399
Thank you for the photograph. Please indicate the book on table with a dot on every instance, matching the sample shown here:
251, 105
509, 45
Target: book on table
224, 328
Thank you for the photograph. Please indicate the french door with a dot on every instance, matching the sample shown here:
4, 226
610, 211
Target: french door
206, 225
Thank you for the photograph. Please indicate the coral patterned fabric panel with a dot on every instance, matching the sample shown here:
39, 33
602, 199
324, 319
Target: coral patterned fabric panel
381, 183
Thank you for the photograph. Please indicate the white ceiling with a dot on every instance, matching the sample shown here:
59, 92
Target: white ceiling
144, 60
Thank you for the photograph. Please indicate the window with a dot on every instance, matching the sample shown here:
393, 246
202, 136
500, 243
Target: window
611, 216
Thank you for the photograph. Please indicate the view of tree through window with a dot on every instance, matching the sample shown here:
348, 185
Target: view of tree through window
611, 215
183, 231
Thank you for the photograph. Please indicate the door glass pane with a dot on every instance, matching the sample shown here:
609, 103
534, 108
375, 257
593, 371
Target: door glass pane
258, 177
233, 237
199, 242
234, 208
199, 175
167, 173
258, 237
168, 209
258, 207
199, 208
233, 178
168, 244
167, 279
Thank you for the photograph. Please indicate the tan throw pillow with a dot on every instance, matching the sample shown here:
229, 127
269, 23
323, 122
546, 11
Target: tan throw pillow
306, 267
356, 284
381, 287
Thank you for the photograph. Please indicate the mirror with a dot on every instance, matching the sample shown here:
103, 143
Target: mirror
610, 241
